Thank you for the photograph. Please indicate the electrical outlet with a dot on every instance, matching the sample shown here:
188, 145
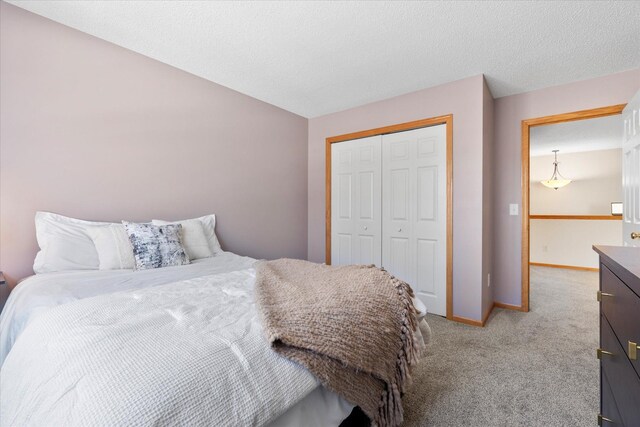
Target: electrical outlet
488, 280
513, 209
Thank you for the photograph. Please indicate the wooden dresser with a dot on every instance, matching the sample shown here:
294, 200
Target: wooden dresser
619, 351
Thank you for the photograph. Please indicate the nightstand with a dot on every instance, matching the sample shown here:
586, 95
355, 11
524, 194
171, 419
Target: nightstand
4, 291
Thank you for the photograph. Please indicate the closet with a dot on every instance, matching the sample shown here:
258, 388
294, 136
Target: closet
389, 208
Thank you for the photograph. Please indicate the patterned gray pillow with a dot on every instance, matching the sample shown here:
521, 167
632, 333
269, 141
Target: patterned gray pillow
156, 246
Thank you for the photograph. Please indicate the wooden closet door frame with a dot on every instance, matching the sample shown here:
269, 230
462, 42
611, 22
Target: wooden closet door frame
526, 132
433, 121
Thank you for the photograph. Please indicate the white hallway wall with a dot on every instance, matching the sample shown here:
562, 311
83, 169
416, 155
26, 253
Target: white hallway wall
569, 242
596, 183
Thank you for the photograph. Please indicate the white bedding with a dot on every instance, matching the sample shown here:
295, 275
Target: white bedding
178, 345
43, 291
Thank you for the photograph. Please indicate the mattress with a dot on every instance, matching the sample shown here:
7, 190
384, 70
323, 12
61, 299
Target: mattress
41, 293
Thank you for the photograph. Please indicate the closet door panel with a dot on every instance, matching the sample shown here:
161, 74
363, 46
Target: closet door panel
355, 202
367, 248
427, 193
367, 195
342, 193
344, 196
426, 252
414, 212
396, 205
399, 195
399, 259
343, 252
430, 227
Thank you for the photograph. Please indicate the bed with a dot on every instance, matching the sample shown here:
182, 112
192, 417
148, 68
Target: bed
154, 324
42, 318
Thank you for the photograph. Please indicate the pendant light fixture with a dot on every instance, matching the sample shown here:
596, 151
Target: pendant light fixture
556, 181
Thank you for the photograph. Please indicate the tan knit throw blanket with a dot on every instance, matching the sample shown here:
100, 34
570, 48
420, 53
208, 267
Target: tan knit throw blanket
353, 327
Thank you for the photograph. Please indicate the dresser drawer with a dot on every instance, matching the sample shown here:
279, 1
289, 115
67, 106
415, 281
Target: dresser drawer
622, 310
608, 408
624, 382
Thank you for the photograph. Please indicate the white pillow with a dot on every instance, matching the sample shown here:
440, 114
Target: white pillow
208, 226
113, 246
64, 244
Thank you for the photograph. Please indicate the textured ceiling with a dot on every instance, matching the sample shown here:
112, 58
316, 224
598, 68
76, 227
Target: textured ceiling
314, 58
603, 133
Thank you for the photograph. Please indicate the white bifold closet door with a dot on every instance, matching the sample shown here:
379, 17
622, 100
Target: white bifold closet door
389, 206
414, 212
356, 190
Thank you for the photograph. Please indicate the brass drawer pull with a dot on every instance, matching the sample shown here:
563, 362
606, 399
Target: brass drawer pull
601, 294
600, 352
602, 418
635, 235
633, 350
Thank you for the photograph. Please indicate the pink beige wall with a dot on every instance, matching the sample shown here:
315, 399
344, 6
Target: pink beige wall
92, 130
487, 198
463, 99
509, 113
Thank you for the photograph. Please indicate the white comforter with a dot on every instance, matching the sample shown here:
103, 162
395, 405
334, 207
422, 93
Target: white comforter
41, 292
190, 352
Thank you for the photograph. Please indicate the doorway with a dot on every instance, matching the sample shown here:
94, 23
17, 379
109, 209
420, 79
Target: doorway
527, 126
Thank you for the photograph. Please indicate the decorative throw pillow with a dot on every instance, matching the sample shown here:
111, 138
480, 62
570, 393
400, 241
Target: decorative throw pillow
156, 246
208, 225
113, 246
194, 239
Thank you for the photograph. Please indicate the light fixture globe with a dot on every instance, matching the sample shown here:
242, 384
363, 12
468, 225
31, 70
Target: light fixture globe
556, 181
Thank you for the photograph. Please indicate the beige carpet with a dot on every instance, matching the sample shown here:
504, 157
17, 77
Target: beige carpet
522, 369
